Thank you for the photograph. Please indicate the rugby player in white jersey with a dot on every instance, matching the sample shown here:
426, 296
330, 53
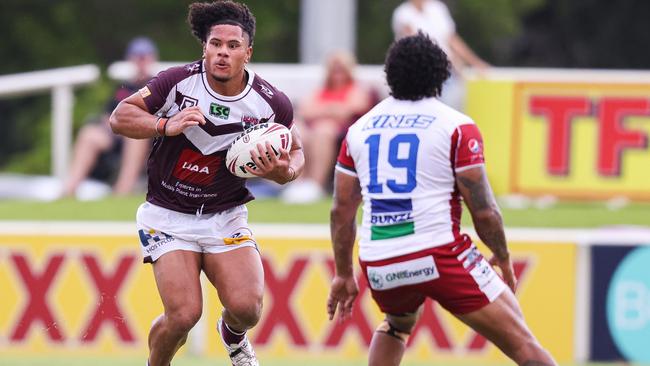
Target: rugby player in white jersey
195, 218
410, 161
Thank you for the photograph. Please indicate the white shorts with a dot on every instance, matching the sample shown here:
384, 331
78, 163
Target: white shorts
162, 231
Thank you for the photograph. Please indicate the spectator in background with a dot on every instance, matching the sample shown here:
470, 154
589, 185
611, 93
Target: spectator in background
432, 17
102, 155
327, 113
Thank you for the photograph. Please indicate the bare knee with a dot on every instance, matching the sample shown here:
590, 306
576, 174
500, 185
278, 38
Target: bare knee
183, 319
247, 311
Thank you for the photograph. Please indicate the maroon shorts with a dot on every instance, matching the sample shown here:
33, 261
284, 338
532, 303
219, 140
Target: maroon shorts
456, 275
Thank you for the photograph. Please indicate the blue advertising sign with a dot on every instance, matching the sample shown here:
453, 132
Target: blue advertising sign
620, 308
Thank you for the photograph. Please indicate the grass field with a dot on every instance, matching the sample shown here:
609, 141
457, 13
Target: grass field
561, 215
193, 361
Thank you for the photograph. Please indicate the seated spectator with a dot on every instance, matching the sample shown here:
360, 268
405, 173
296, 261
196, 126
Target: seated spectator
104, 156
326, 115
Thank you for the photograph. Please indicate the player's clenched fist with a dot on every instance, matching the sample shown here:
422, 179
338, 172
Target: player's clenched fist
190, 116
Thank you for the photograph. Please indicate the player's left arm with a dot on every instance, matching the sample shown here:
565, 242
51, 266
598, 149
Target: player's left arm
296, 155
486, 216
343, 231
473, 184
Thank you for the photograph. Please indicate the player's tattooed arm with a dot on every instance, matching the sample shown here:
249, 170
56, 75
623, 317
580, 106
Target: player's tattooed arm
343, 228
343, 225
477, 193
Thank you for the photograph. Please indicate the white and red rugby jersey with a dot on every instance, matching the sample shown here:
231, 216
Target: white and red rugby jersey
187, 173
406, 155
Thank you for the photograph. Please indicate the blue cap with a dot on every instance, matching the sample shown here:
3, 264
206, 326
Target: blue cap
141, 46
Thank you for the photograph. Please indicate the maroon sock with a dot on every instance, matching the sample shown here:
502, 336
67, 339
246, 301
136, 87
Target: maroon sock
230, 336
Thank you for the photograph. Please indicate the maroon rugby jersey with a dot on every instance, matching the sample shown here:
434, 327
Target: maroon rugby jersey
187, 173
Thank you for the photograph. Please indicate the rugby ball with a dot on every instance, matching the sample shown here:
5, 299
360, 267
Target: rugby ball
239, 156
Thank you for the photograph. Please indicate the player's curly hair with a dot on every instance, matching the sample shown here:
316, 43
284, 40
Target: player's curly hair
416, 68
202, 16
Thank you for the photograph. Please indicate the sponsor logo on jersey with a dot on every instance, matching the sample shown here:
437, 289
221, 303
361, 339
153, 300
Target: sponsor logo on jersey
248, 121
187, 102
405, 273
219, 111
144, 92
192, 67
237, 238
266, 90
390, 121
474, 146
391, 218
152, 239
194, 167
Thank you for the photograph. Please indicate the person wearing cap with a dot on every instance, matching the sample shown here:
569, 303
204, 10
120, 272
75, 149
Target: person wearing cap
101, 155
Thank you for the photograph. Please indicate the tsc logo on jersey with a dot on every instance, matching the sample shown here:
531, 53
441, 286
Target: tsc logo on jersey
219, 111
391, 218
474, 146
194, 167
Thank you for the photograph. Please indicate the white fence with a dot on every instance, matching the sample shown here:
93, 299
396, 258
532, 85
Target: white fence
60, 83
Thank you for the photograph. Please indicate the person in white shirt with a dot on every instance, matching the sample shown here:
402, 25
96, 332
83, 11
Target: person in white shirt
432, 17
410, 161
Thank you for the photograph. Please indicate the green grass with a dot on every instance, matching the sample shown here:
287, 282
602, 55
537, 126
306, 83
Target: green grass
195, 361
561, 215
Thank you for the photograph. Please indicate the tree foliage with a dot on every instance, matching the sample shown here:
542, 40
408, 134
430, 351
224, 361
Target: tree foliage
44, 34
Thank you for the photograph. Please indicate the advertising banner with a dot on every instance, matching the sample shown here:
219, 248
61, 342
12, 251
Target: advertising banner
620, 310
91, 295
580, 140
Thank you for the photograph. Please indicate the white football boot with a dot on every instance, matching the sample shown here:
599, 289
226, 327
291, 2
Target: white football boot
241, 354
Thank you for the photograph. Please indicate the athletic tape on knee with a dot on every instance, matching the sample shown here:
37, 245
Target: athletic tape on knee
388, 328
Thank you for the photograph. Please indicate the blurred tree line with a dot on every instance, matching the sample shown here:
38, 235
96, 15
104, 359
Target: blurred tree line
43, 34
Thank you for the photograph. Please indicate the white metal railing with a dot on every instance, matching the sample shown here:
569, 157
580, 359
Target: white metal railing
60, 82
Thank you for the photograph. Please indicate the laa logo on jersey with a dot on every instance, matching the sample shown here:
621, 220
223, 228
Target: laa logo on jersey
196, 168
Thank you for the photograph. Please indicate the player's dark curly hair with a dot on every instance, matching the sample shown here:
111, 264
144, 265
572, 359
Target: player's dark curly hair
202, 16
416, 68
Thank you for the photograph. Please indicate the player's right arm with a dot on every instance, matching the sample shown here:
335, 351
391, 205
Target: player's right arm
477, 194
132, 119
343, 231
